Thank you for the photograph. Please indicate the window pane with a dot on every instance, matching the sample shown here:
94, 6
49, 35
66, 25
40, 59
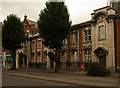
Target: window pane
85, 32
65, 41
76, 35
101, 32
85, 38
89, 32
39, 44
89, 37
87, 56
85, 35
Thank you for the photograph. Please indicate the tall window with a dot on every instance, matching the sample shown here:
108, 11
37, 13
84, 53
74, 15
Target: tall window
39, 57
87, 56
87, 35
33, 57
65, 41
74, 56
33, 44
74, 37
64, 56
101, 32
39, 44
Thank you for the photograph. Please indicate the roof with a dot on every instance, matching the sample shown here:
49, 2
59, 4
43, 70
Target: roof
102, 8
33, 22
84, 24
101, 51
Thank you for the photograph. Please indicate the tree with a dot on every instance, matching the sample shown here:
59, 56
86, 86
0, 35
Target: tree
54, 25
12, 35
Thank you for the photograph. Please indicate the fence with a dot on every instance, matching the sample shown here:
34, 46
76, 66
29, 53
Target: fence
73, 66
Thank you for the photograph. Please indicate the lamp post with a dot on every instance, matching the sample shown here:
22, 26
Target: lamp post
27, 48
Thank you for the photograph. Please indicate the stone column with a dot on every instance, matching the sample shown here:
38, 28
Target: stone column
4, 59
17, 59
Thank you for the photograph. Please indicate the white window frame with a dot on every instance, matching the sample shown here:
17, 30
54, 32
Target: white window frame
85, 36
101, 36
39, 44
89, 35
87, 56
76, 37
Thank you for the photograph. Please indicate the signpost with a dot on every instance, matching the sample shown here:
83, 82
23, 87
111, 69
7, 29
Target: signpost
82, 67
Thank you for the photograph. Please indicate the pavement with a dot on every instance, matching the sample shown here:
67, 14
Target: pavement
68, 77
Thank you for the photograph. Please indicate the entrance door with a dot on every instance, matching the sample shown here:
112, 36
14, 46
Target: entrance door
102, 60
20, 60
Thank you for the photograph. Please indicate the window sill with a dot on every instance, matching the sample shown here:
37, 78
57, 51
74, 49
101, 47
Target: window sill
74, 43
39, 48
101, 39
87, 41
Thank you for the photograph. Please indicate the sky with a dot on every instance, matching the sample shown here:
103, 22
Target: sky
79, 10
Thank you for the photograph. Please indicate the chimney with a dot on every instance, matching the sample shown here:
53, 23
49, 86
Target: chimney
25, 17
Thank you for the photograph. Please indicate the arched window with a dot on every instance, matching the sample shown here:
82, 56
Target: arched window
64, 56
74, 56
33, 57
87, 56
39, 57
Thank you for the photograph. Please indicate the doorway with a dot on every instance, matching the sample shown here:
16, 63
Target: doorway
102, 60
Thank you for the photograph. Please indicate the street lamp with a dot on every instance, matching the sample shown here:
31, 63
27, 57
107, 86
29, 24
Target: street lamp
27, 48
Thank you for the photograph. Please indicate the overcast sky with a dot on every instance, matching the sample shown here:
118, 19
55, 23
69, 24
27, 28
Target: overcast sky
80, 10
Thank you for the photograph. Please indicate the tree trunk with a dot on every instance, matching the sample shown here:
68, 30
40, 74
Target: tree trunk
57, 61
51, 64
13, 55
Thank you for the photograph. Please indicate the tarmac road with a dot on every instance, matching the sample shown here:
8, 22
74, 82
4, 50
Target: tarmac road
22, 81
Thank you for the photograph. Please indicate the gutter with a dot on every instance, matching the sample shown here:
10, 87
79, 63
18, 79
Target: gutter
115, 44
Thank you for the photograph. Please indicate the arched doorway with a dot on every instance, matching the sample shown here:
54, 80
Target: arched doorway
101, 52
22, 60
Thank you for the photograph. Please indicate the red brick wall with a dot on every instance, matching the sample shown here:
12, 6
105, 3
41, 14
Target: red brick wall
80, 47
118, 43
28, 26
68, 48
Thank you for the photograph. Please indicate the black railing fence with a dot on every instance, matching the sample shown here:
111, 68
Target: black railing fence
73, 66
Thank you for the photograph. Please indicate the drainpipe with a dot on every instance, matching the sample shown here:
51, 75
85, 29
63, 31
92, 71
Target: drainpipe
115, 44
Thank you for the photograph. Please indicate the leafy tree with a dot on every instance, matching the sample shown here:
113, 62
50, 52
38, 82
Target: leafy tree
54, 25
12, 35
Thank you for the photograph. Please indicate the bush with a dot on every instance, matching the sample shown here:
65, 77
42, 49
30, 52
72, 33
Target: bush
96, 69
108, 72
87, 65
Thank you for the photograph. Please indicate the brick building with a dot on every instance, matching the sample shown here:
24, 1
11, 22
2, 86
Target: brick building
97, 39
33, 52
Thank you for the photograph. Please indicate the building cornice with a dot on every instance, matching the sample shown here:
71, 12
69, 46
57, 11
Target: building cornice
81, 25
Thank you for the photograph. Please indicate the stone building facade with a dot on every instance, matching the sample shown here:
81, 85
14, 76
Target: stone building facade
96, 40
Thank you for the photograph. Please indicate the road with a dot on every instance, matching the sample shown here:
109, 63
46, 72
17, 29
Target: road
22, 81
18, 82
